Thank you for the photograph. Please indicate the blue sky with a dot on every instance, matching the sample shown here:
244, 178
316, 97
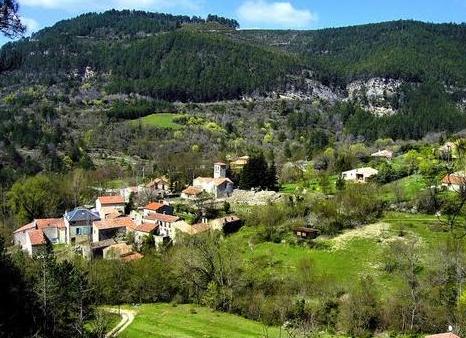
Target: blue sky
286, 14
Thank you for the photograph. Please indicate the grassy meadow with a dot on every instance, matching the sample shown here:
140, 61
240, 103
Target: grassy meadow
161, 120
167, 320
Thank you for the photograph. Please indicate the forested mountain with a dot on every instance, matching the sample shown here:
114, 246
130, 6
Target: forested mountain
71, 87
410, 50
151, 48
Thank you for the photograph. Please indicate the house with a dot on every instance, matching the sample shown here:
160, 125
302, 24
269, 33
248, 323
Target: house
35, 242
53, 229
143, 230
160, 183
78, 223
128, 191
199, 228
110, 206
159, 208
191, 193
219, 186
239, 163
359, 175
455, 181
227, 224
388, 154
306, 233
164, 223
111, 228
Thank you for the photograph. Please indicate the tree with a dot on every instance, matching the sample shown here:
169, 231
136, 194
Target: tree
34, 197
10, 23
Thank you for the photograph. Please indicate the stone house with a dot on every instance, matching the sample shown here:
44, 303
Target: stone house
78, 223
361, 175
109, 205
112, 228
52, 228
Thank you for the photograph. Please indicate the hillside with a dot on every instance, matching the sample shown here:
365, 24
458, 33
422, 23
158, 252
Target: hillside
72, 94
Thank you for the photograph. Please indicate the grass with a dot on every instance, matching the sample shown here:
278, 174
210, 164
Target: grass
112, 319
409, 187
161, 120
342, 265
166, 320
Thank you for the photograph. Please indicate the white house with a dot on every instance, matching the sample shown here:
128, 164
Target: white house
109, 205
164, 223
359, 175
219, 185
52, 228
388, 154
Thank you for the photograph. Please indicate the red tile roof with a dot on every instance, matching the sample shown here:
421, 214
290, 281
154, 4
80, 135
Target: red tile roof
146, 227
454, 179
113, 223
37, 237
154, 206
43, 223
50, 223
117, 199
162, 217
192, 191
26, 227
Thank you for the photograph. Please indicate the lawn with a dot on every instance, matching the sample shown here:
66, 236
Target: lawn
161, 120
166, 320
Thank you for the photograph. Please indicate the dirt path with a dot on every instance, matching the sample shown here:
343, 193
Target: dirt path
127, 317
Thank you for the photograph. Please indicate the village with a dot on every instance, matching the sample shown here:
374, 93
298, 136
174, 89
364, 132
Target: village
111, 230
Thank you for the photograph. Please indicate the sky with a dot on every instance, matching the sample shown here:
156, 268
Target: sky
280, 14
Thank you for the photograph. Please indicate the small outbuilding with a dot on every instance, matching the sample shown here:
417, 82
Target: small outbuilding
306, 233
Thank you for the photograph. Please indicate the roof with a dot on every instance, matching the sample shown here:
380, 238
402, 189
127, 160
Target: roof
455, 179
192, 191
307, 230
158, 180
114, 223
117, 199
227, 219
215, 181
132, 256
162, 217
37, 237
43, 223
443, 335
146, 227
102, 244
383, 153
154, 206
81, 214
28, 226
199, 228
367, 171
50, 223
220, 163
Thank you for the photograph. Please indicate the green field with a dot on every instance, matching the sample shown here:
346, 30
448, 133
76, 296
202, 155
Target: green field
166, 320
345, 258
162, 120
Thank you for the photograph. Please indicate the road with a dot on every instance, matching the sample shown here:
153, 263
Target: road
127, 317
